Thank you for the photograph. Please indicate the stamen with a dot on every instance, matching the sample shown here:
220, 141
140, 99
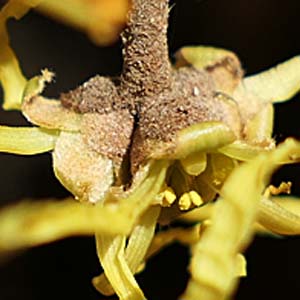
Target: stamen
185, 202
196, 198
169, 197
189, 199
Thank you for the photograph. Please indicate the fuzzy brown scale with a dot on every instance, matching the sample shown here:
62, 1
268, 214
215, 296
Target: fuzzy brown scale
99, 94
162, 100
191, 99
108, 133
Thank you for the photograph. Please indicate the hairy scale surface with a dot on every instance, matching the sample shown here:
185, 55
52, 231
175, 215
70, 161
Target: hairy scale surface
150, 95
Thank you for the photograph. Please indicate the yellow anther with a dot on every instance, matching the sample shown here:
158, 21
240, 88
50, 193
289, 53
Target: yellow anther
185, 202
196, 198
168, 197
189, 199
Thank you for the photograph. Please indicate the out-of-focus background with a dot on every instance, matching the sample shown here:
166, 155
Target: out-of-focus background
262, 32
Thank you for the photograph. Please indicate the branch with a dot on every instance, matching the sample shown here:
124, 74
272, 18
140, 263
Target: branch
146, 70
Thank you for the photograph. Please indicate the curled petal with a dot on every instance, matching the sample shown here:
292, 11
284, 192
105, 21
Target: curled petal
255, 95
275, 85
244, 151
213, 265
31, 224
87, 174
205, 212
27, 140
201, 137
141, 238
281, 216
11, 77
111, 253
136, 249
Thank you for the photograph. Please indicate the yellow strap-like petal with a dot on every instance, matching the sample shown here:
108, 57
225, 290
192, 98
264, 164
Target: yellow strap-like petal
244, 151
205, 212
279, 215
110, 250
213, 265
277, 84
11, 77
136, 249
200, 137
149, 181
29, 224
27, 140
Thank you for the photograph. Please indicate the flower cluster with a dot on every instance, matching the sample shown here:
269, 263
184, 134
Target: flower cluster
190, 142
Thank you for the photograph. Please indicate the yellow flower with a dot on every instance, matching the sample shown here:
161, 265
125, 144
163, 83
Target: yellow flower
230, 160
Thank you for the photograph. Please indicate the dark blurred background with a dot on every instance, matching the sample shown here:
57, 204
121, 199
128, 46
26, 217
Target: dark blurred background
262, 32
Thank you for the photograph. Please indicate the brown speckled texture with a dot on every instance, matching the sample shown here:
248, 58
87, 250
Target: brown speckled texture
98, 94
189, 100
146, 70
108, 133
150, 102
